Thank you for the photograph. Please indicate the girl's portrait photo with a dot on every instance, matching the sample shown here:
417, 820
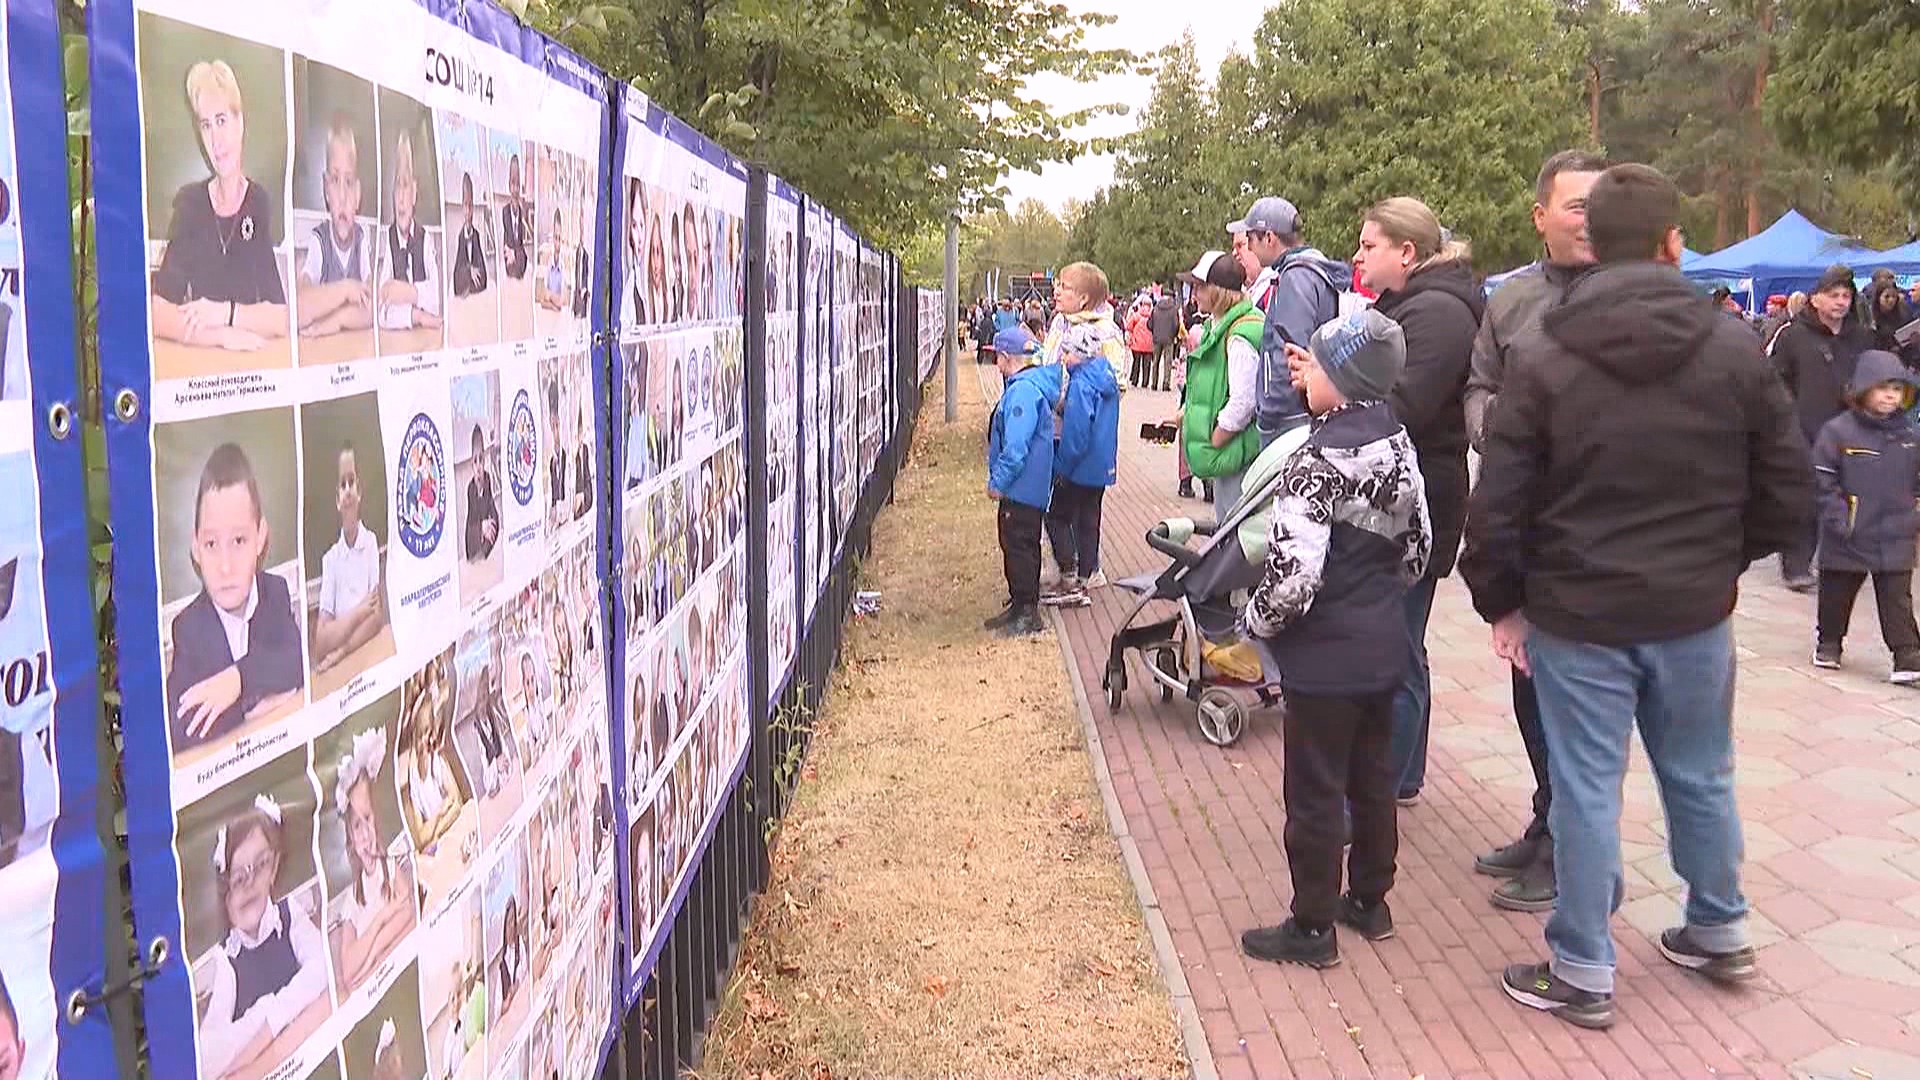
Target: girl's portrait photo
363, 848
435, 798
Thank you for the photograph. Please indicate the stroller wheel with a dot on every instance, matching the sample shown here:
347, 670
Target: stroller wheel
1116, 684
1167, 662
1222, 718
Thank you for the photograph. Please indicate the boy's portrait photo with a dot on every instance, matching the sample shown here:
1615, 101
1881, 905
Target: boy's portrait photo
640, 866
410, 299
251, 909
216, 199
386, 1043
477, 482
508, 911
364, 853
557, 392
473, 310
343, 525
553, 244
229, 566
529, 682
510, 163
436, 799
580, 375
483, 735
453, 991
336, 200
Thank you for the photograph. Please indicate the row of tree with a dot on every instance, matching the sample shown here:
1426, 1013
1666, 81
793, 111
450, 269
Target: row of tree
1751, 105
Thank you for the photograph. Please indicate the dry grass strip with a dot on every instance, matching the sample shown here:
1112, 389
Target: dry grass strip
946, 898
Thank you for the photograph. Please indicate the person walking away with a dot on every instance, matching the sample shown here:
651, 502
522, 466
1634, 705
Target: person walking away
1560, 217
1004, 316
1424, 282
1615, 586
1216, 419
983, 335
1140, 339
1349, 534
1866, 467
1020, 478
1775, 318
1815, 356
1306, 293
1166, 338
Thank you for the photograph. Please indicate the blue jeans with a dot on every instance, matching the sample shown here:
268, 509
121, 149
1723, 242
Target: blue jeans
1226, 493
1682, 693
1413, 705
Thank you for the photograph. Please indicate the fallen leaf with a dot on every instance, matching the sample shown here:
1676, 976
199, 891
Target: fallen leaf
1102, 968
786, 967
937, 986
793, 906
761, 1007
928, 943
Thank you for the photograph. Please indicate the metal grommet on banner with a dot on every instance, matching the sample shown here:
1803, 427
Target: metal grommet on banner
126, 405
79, 1003
60, 419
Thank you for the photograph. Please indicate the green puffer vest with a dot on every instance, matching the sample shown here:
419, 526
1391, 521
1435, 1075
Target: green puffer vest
1207, 395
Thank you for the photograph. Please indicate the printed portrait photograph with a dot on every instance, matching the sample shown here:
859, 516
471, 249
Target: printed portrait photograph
453, 990
528, 679
545, 1053
666, 415
637, 443
343, 522
643, 273
510, 162
29, 1016
411, 298
364, 853
640, 865
227, 516
568, 667
637, 547
483, 736
658, 570
666, 848
251, 914
477, 483
29, 790
436, 798
507, 911
583, 579
547, 852
216, 199
473, 244
388, 1043
336, 212
560, 240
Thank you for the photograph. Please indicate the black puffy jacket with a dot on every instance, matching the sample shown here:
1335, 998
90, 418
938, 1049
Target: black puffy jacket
1867, 470
1817, 364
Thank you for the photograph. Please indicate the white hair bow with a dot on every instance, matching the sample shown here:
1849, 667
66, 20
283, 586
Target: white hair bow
386, 1037
364, 759
266, 806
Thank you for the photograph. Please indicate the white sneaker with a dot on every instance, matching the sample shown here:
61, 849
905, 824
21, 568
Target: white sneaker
1098, 580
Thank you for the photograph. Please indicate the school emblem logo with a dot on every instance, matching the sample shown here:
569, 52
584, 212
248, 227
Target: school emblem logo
420, 487
523, 449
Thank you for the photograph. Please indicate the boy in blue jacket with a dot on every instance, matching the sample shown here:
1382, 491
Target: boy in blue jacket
1866, 467
1020, 479
1083, 470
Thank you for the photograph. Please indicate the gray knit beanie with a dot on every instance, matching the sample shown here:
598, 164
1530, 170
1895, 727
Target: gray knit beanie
1362, 354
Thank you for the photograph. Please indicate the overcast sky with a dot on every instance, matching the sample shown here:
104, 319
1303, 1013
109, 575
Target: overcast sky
1143, 26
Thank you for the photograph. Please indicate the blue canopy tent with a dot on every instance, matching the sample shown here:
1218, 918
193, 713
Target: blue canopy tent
1789, 254
1904, 261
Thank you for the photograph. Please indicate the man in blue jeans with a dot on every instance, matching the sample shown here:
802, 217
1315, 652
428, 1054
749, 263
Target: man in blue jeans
1639, 457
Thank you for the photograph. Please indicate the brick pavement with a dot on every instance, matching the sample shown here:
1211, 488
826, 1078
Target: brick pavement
1829, 783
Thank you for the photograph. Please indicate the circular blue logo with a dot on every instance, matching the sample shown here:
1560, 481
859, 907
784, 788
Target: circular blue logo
420, 487
523, 449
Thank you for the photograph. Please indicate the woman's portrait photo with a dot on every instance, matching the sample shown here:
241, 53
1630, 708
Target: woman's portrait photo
336, 201
584, 481
584, 578
453, 990
473, 308
529, 682
407, 250
436, 800
510, 162
637, 547
663, 404
640, 846
508, 912
343, 526
228, 513
216, 199
483, 735
363, 848
546, 848
252, 908
387, 1043
562, 630
638, 439
477, 483
678, 221
635, 308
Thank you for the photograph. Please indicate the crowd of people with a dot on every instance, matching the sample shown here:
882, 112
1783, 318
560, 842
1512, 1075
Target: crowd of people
1641, 446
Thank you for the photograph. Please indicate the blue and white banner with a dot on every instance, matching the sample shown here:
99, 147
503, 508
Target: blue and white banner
783, 432
816, 404
845, 336
350, 271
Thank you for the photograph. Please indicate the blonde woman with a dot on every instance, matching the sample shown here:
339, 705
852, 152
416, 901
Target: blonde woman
218, 283
1426, 285
409, 282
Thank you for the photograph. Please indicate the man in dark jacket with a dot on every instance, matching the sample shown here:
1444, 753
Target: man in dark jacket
1165, 324
1815, 355
1615, 585
1306, 293
1560, 216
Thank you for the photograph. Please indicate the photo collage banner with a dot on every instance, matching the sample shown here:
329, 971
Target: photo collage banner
52, 879
783, 433
361, 615
682, 507
843, 453
816, 415
932, 330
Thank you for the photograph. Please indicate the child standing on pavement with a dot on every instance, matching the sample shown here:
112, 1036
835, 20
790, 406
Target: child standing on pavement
1349, 534
1866, 466
1020, 477
1092, 350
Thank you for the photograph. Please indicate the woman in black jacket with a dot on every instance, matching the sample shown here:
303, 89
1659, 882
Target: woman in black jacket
1425, 284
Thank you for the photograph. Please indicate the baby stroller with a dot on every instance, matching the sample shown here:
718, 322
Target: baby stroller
1209, 584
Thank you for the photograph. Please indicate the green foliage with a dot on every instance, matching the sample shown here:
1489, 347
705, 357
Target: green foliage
1845, 88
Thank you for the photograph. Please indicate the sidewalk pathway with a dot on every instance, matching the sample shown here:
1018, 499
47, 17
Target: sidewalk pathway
1829, 794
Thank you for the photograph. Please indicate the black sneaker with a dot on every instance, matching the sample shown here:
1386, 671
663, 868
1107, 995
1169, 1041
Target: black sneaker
1906, 668
1537, 987
1185, 490
1801, 583
1289, 944
1409, 797
1025, 622
1533, 890
1371, 921
1206, 490
1000, 620
1722, 967
1509, 861
1827, 656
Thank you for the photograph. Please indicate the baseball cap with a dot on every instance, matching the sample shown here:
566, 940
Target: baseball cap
1269, 213
1015, 341
1218, 269
1362, 354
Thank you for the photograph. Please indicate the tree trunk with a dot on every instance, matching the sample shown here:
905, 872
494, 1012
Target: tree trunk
1754, 106
1593, 104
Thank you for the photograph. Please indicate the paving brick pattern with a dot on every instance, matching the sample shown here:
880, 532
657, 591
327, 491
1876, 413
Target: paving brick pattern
1829, 785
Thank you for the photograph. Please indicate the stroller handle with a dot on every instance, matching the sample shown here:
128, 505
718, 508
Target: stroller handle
1159, 539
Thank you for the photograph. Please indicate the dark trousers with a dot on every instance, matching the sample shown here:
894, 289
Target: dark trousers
1073, 527
1892, 594
1338, 753
1797, 561
1142, 367
1526, 714
1020, 551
